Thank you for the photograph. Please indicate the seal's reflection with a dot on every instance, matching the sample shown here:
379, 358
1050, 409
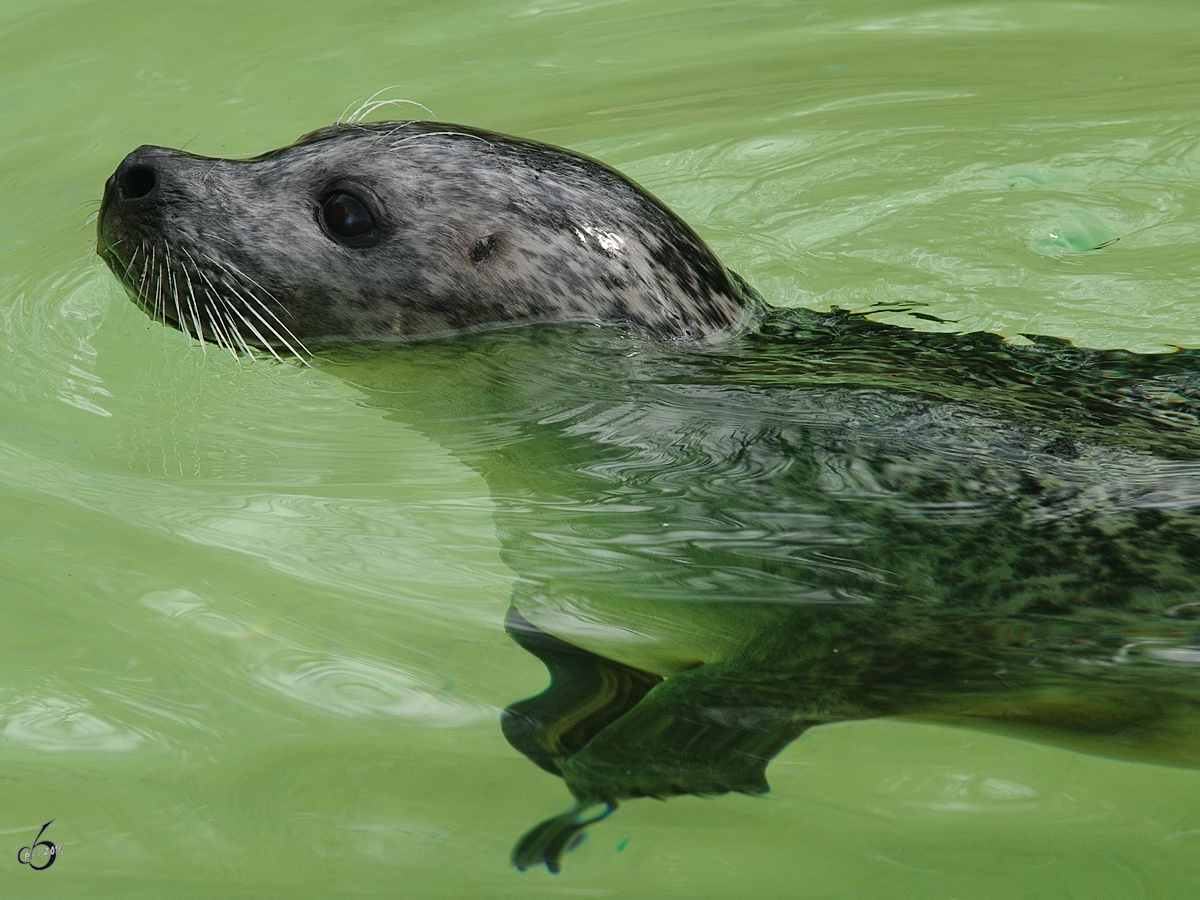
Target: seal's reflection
827, 520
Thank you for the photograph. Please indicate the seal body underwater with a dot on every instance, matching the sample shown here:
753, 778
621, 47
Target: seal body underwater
724, 533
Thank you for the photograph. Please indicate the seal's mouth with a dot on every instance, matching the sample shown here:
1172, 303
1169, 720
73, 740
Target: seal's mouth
134, 283
215, 304
204, 297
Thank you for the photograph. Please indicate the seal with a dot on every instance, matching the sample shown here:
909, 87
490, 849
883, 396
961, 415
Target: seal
828, 519
723, 536
403, 229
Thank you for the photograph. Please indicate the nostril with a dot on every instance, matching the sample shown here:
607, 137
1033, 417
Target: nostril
137, 182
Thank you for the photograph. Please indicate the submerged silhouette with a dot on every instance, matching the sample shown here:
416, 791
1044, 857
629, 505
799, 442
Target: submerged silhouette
825, 520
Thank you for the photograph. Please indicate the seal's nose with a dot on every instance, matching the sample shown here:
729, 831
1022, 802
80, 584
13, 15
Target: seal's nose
142, 186
136, 182
137, 176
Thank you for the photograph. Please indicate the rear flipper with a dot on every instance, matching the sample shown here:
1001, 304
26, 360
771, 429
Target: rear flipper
710, 730
548, 841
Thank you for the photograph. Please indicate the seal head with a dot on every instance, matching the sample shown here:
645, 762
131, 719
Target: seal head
403, 229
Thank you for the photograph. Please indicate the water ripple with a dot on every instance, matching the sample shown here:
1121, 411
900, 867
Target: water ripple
60, 725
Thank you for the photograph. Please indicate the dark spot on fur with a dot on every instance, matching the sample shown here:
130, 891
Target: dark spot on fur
483, 249
1062, 447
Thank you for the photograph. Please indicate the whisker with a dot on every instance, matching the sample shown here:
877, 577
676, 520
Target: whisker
181, 312
249, 295
174, 288
379, 104
231, 332
216, 320
145, 295
251, 302
220, 330
187, 280
178, 300
369, 106
431, 134
233, 326
192, 296
219, 321
232, 308
159, 303
141, 288
214, 293
127, 275
342, 120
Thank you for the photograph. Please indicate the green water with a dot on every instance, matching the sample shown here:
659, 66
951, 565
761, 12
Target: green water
251, 628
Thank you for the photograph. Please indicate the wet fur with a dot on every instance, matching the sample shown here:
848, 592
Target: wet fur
475, 229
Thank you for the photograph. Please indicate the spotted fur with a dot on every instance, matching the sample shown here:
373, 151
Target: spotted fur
473, 230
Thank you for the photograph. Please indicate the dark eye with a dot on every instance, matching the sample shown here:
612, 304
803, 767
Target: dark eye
344, 215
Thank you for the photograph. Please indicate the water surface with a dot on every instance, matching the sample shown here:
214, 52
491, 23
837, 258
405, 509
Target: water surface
252, 640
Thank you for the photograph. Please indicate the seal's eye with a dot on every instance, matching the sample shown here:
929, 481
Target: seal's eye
344, 215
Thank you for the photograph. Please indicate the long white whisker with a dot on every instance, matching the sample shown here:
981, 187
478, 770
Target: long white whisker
132, 261
233, 326
369, 108
251, 303
128, 279
430, 134
238, 273
179, 300
160, 299
174, 285
147, 261
143, 297
236, 345
218, 305
254, 303
237, 312
353, 120
342, 119
192, 297
193, 302
369, 105
217, 320
250, 295
149, 296
214, 294
181, 312
232, 307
